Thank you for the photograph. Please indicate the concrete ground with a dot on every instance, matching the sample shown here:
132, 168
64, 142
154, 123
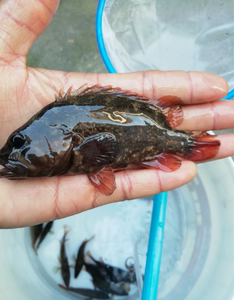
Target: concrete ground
69, 42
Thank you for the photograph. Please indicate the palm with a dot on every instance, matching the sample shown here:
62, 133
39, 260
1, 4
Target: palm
25, 90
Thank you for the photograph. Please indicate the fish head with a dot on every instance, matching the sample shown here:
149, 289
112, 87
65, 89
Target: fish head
36, 151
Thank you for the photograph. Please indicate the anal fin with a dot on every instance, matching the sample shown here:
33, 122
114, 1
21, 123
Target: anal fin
165, 162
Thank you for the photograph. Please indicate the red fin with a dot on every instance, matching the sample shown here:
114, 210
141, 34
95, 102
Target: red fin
108, 89
174, 115
104, 181
199, 133
164, 162
80, 90
204, 148
168, 100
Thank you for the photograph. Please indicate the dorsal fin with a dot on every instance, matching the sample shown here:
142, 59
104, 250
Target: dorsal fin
105, 90
163, 102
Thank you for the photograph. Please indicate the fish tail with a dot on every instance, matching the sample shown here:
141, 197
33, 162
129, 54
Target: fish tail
203, 147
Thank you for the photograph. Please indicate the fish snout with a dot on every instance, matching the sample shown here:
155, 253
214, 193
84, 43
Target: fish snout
4, 155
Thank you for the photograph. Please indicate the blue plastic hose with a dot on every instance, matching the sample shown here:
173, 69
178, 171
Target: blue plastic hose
99, 36
230, 95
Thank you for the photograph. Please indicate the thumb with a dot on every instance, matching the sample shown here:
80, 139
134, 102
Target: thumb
21, 22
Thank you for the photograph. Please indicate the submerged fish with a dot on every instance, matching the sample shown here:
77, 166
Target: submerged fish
110, 287
80, 257
36, 231
101, 280
65, 268
93, 294
95, 272
112, 273
94, 130
44, 233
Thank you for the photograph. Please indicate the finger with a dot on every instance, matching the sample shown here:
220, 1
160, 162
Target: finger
22, 21
227, 145
216, 115
191, 87
39, 200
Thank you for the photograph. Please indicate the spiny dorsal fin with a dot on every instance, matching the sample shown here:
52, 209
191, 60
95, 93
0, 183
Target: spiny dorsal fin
105, 90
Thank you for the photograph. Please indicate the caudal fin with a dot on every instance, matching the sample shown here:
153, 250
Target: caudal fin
204, 148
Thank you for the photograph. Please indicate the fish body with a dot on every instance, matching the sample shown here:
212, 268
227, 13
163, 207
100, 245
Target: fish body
80, 257
44, 233
65, 268
93, 294
109, 287
36, 231
95, 130
102, 281
114, 274
95, 272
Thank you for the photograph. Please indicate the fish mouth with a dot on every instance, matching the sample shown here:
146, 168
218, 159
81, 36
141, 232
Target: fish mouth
5, 173
13, 170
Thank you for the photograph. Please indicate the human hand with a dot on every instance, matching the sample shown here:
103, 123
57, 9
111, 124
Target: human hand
25, 90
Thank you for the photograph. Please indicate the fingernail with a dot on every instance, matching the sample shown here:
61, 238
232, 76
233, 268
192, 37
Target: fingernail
217, 83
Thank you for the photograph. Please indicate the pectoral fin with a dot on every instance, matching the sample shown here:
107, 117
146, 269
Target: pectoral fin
98, 149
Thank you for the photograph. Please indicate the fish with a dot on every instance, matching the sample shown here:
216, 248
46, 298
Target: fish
35, 231
110, 287
44, 233
80, 257
112, 273
99, 129
95, 272
65, 268
102, 281
93, 294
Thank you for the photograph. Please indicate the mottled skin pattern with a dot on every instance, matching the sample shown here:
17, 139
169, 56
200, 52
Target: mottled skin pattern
50, 143
141, 129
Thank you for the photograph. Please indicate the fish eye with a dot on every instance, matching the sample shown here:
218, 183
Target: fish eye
17, 141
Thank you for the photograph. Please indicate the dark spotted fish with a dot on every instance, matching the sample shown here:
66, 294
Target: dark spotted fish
102, 281
44, 233
91, 294
94, 130
112, 273
110, 287
65, 268
80, 257
35, 231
